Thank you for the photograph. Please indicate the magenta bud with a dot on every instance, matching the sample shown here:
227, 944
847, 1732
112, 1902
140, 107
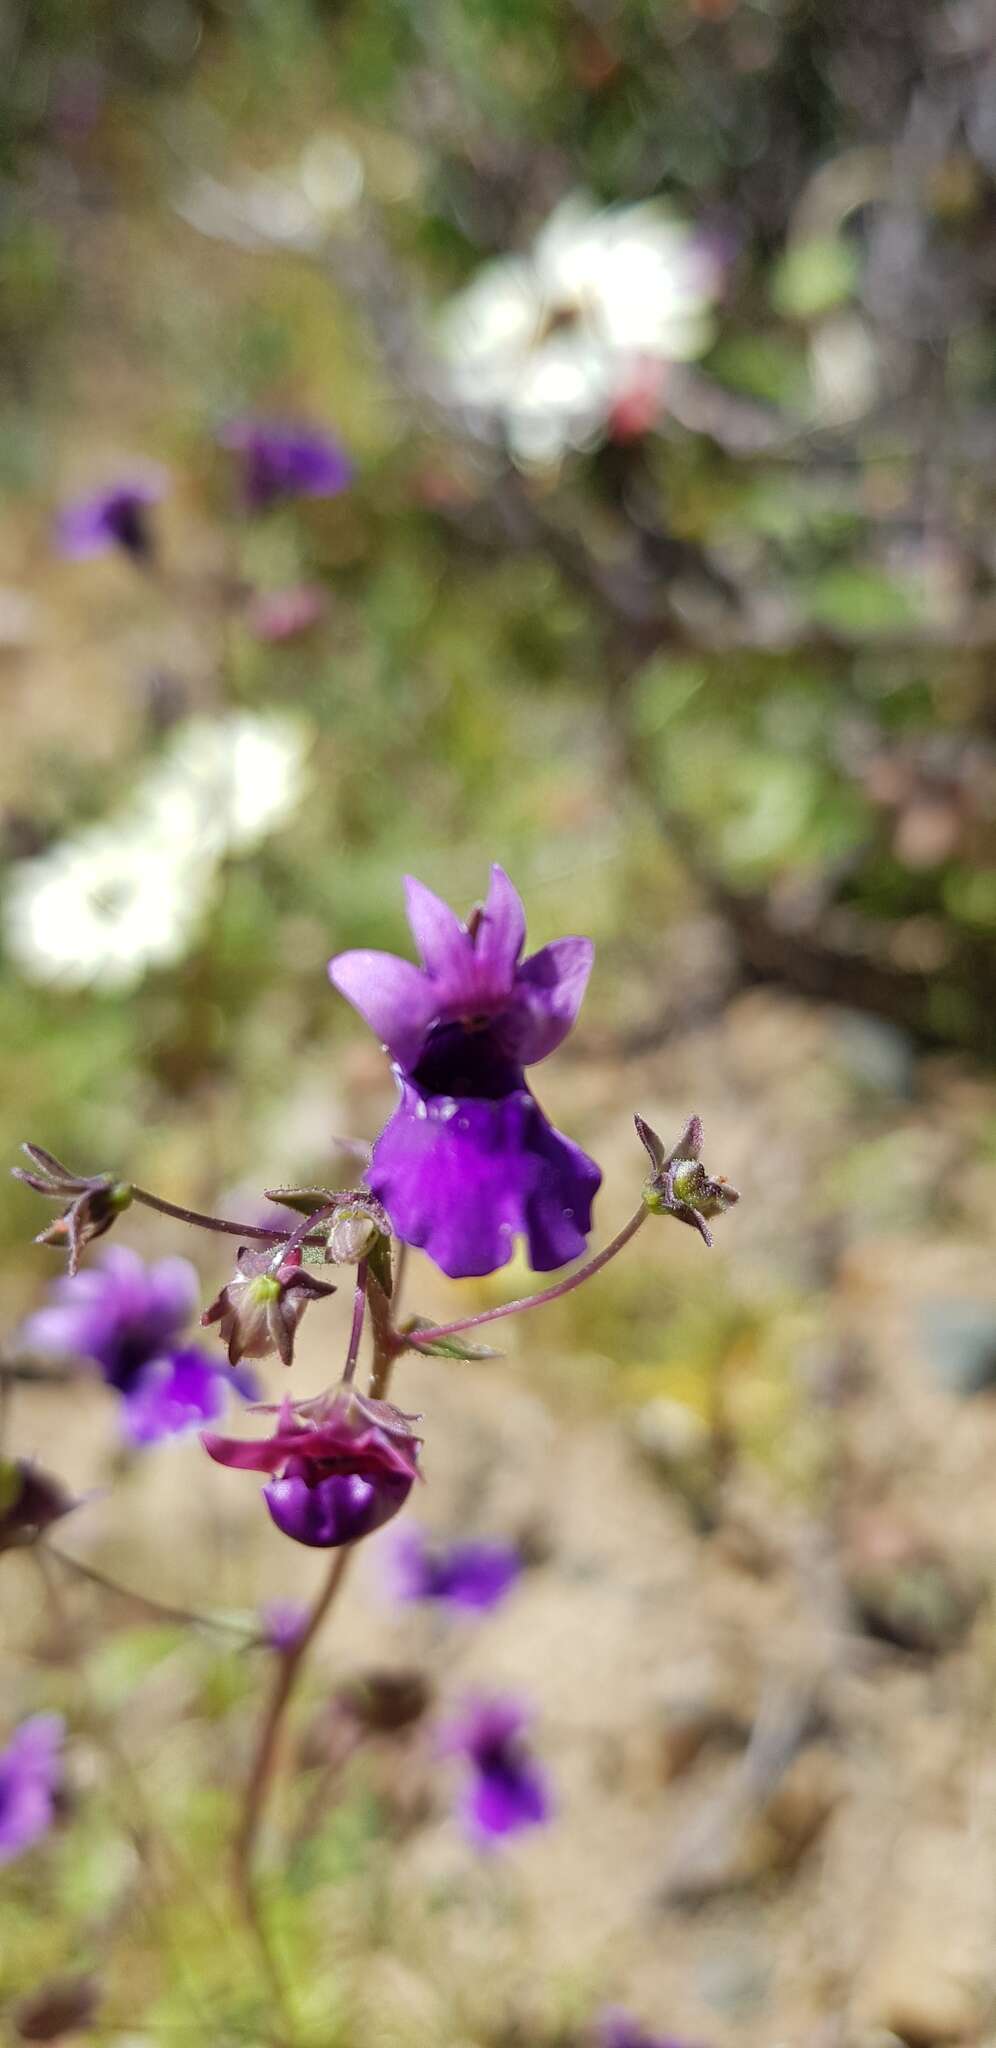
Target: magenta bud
340, 1466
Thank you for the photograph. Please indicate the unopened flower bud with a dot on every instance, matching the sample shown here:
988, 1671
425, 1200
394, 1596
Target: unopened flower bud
340, 1466
355, 1229
679, 1184
93, 1201
260, 1308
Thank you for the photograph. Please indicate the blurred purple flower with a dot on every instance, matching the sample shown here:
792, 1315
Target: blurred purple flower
127, 1317
113, 518
283, 1625
617, 2030
286, 460
468, 1159
342, 1466
30, 1770
181, 1392
506, 1789
472, 1577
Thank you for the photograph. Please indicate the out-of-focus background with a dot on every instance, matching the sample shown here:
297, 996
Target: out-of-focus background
665, 577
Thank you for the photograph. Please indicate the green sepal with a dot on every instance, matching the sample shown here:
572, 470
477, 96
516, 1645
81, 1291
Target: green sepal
380, 1264
304, 1200
447, 1347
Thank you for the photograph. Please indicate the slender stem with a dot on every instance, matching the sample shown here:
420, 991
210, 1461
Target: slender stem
160, 1607
301, 1234
200, 1221
409, 1339
400, 1272
288, 1671
356, 1329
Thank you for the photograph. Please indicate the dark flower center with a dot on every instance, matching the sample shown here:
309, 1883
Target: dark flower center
502, 1761
466, 1059
129, 524
131, 1348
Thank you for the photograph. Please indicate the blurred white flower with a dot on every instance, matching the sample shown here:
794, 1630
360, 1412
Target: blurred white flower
543, 345
224, 784
295, 207
104, 907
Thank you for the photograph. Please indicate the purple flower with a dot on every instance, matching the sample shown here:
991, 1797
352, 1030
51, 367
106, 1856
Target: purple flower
472, 1577
617, 2030
468, 1160
127, 1317
286, 460
283, 1625
506, 1789
30, 1770
114, 518
342, 1466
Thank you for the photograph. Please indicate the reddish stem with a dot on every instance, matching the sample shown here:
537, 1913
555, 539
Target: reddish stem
554, 1293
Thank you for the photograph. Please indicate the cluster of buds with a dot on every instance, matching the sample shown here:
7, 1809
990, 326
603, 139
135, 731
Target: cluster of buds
92, 1201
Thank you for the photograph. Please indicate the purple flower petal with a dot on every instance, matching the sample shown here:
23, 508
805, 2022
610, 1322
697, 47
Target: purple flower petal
173, 1394
115, 517
393, 996
444, 943
283, 1624
501, 933
549, 990
463, 1177
285, 459
507, 1789
470, 1577
340, 1509
30, 1769
618, 2030
500, 1801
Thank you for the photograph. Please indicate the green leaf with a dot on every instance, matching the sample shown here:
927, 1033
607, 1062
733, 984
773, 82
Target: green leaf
420, 1329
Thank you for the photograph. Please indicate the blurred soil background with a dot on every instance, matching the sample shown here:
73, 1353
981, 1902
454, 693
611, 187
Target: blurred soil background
721, 696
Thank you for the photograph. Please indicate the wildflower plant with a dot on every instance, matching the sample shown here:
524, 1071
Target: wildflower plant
467, 1167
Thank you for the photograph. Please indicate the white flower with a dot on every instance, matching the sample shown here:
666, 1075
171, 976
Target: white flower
543, 344
293, 207
224, 784
102, 908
